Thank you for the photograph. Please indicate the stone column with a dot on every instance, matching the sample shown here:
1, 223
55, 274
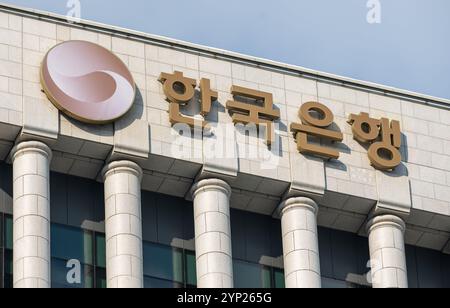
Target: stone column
387, 252
123, 224
300, 243
213, 234
31, 215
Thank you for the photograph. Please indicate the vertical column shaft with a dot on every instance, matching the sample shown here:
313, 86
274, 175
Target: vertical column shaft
123, 219
213, 234
387, 252
31, 215
300, 243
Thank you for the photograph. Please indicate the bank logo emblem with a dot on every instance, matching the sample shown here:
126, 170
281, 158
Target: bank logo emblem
87, 82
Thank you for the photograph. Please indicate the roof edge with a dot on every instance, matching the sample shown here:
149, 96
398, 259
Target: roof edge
232, 56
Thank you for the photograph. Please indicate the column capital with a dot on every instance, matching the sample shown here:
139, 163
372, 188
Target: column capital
30, 146
385, 220
122, 166
297, 202
210, 184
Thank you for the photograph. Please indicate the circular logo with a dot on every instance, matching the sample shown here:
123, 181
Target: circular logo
87, 82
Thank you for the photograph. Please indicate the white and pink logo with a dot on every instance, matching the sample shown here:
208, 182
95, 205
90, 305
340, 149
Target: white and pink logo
87, 82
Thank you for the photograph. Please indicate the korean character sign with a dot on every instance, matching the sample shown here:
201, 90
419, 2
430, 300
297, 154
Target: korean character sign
246, 113
180, 90
384, 137
318, 126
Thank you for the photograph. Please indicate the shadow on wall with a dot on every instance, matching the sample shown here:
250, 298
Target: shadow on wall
399, 171
136, 112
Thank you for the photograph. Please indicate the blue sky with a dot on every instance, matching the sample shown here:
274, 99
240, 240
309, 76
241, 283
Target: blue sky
409, 49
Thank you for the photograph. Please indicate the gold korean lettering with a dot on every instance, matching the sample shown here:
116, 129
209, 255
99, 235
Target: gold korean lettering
384, 136
262, 114
180, 91
318, 127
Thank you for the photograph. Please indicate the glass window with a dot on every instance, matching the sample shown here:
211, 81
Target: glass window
100, 261
2, 282
100, 250
2, 240
266, 277
7, 255
71, 243
163, 262
328, 283
279, 279
100, 278
8, 269
62, 278
191, 268
251, 275
168, 267
8, 232
155, 283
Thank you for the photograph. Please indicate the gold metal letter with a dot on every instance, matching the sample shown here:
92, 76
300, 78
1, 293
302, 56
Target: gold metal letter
180, 90
383, 154
247, 113
315, 127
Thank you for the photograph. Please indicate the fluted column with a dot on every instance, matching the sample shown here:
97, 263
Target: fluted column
31, 215
213, 234
123, 223
300, 243
387, 252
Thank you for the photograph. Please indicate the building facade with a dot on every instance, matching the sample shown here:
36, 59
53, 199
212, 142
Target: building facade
244, 199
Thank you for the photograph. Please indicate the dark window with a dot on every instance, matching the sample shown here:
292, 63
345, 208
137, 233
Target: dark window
2, 267
343, 258
249, 275
60, 273
252, 275
427, 268
8, 269
71, 243
72, 247
155, 283
100, 278
8, 232
191, 268
7, 253
168, 267
279, 280
100, 261
163, 262
329, 283
100, 250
